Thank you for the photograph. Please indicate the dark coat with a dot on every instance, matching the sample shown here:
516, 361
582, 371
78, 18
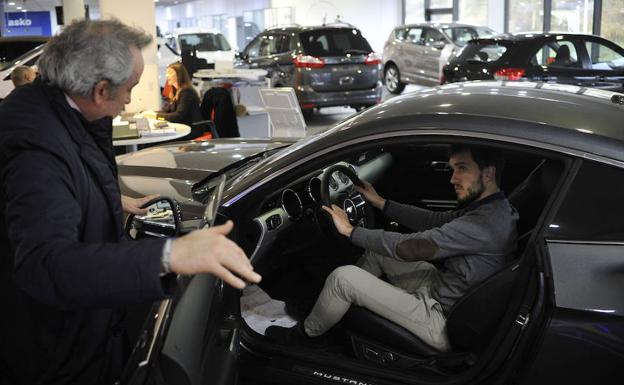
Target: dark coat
217, 106
184, 110
66, 271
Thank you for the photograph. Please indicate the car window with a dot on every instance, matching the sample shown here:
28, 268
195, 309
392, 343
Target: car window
482, 52
561, 53
253, 49
400, 33
414, 35
432, 36
334, 42
592, 209
603, 57
462, 35
203, 42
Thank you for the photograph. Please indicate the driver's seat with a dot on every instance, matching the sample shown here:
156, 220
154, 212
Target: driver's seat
470, 324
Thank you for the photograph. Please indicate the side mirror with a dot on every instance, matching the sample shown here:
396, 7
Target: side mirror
162, 220
438, 45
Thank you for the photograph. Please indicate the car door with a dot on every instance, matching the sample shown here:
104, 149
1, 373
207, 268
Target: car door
605, 62
410, 58
584, 272
194, 337
434, 43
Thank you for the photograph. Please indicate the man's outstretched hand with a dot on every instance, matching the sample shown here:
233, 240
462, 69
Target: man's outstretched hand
210, 251
341, 221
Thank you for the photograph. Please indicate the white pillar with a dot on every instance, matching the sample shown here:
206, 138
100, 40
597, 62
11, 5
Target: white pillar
141, 14
73, 10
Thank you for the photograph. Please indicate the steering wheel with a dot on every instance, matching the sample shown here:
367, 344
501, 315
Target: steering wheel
353, 203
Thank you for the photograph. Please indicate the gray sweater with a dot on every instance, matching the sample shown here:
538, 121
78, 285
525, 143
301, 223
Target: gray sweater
469, 244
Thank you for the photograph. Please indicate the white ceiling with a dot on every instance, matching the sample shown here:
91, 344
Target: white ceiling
48, 5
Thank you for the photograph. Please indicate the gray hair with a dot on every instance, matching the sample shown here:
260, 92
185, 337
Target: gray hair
87, 52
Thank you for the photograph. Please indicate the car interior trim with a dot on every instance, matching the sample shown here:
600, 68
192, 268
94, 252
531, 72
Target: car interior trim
425, 132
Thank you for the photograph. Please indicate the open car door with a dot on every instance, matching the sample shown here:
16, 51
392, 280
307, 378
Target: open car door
192, 338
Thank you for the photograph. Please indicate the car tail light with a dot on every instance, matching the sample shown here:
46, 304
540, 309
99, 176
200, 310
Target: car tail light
307, 61
372, 59
307, 106
509, 74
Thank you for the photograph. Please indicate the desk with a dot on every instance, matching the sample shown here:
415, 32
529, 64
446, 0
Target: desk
131, 144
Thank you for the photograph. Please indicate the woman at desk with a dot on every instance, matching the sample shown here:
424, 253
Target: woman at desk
182, 102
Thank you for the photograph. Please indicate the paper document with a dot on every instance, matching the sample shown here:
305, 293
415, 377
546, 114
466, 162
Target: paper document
261, 311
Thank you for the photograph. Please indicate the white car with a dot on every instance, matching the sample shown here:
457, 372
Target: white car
210, 46
28, 59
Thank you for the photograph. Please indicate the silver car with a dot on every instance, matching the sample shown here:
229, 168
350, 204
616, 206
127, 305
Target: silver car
415, 53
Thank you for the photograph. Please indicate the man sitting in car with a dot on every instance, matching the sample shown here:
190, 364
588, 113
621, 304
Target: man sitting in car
468, 245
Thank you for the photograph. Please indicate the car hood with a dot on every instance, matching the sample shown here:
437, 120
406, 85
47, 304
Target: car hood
172, 170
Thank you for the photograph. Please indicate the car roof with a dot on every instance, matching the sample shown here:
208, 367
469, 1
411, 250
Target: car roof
440, 25
570, 118
524, 36
302, 28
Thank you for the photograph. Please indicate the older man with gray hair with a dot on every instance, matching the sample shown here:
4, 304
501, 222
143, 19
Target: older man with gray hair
66, 271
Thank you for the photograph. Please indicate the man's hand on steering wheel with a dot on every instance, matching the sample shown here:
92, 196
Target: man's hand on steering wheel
341, 221
370, 194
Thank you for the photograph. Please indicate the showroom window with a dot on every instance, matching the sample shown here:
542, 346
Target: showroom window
414, 11
603, 57
473, 11
572, 16
612, 16
526, 15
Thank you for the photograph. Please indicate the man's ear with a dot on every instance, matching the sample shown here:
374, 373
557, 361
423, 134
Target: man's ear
490, 174
101, 92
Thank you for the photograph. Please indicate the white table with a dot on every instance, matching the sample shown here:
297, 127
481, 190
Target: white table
131, 144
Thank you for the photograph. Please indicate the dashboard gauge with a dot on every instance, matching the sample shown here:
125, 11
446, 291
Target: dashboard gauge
314, 189
343, 177
291, 203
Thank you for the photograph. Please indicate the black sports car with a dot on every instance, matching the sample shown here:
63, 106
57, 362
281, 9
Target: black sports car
581, 60
554, 315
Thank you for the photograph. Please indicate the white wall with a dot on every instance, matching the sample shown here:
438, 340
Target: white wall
375, 18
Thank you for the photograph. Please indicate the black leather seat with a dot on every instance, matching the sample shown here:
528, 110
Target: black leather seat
474, 319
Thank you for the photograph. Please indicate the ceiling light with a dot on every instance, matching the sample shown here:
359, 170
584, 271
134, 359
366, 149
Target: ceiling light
12, 3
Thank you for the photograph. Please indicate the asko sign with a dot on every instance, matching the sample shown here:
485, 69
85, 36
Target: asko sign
27, 24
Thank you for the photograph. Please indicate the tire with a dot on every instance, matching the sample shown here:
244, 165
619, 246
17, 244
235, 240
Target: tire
307, 113
392, 80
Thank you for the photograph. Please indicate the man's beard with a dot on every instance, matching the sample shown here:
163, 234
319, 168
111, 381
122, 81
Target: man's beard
474, 192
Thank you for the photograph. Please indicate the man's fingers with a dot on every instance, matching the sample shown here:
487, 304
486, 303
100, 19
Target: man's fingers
225, 228
327, 209
229, 278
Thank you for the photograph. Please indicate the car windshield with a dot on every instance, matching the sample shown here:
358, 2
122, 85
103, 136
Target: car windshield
483, 51
18, 60
334, 42
203, 42
462, 35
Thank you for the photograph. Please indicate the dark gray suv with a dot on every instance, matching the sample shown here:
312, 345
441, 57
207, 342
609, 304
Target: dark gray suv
329, 65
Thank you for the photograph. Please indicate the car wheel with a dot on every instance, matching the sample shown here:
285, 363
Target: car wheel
392, 80
307, 113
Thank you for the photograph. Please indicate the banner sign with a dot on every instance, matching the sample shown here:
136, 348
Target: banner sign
27, 24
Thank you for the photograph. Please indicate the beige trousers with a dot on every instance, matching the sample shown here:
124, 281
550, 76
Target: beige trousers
405, 300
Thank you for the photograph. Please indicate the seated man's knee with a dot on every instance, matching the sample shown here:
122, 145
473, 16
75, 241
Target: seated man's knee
344, 276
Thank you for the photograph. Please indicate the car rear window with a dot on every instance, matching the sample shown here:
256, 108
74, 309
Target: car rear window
204, 42
483, 51
462, 35
334, 42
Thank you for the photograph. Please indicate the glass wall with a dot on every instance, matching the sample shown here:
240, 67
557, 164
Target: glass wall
440, 4
526, 15
612, 21
572, 16
414, 11
473, 11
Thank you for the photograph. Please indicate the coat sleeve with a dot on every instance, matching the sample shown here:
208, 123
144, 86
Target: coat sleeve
184, 108
50, 263
468, 234
416, 218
